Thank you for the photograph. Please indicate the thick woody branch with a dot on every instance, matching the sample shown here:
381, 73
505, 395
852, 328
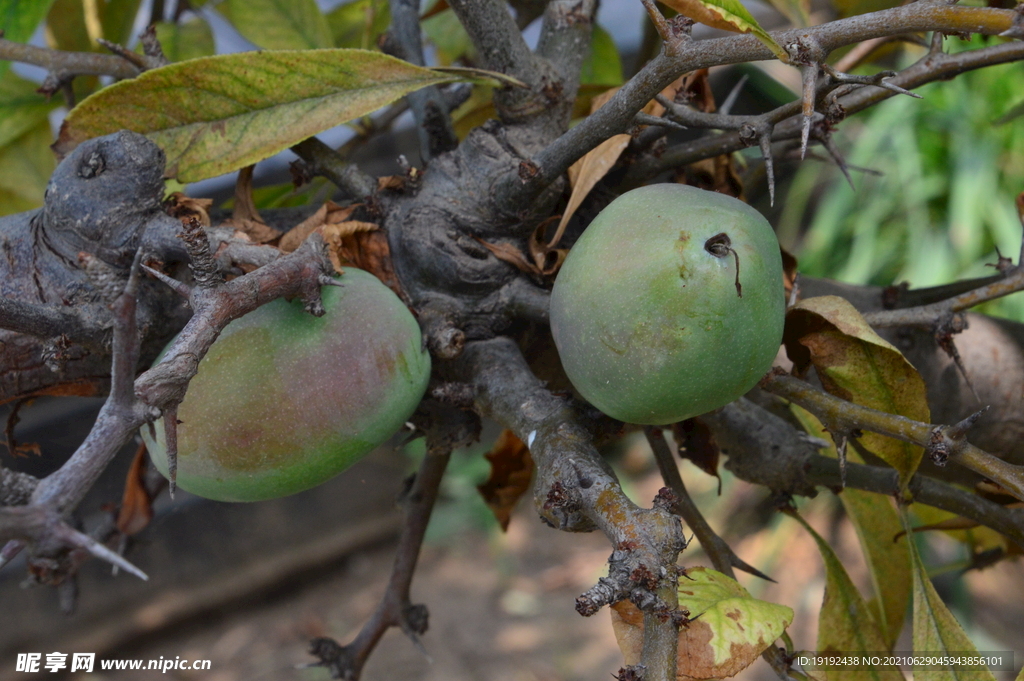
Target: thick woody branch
930, 315
616, 116
577, 492
940, 442
565, 40
759, 444
52, 322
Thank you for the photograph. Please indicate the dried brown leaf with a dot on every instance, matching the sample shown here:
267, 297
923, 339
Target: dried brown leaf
510, 254
329, 212
245, 217
393, 182
697, 443
136, 505
363, 245
789, 268
511, 470
180, 206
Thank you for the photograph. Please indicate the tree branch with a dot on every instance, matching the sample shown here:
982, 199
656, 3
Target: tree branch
615, 116
322, 160
933, 67
395, 608
940, 442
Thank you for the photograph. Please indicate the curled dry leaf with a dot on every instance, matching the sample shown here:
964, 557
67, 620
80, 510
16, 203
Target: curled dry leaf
330, 212
728, 628
177, 205
136, 505
245, 217
511, 470
697, 443
854, 363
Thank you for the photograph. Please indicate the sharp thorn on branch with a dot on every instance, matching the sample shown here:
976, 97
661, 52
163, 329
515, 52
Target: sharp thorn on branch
82, 541
171, 437
10, 551
810, 90
959, 430
826, 141
181, 288
730, 99
642, 118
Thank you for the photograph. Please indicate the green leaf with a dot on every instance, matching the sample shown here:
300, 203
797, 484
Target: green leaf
450, 39
25, 167
189, 40
21, 107
603, 66
18, 21
210, 120
877, 524
846, 624
728, 15
359, 23
117, 17
279, 24
855, 364
936, 631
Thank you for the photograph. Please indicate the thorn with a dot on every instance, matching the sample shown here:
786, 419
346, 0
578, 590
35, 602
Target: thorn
734, 94
810, 89
328, 280
959, 430
79, 540
171, 437
841, 444
765, 142
10, 551
642, 118
948, 345
181, 288
833, 151
739, 564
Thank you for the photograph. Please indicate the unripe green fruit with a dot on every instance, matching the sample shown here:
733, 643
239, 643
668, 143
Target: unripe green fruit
284, 400
646, 314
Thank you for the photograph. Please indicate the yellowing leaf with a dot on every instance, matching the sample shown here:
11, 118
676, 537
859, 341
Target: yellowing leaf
854, 363
936, 631
877, 524
279, 24
211, 119
728, 631
188, 40
727, 15
845, 624
18, 21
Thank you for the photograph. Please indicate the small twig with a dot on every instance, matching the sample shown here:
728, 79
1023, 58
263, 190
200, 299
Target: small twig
322, 160
395, 608
721, 554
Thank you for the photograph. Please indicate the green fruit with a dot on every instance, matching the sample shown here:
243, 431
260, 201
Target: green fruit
646, 314
284, 400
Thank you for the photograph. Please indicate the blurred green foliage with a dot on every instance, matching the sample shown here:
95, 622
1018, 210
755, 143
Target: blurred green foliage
945, 201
